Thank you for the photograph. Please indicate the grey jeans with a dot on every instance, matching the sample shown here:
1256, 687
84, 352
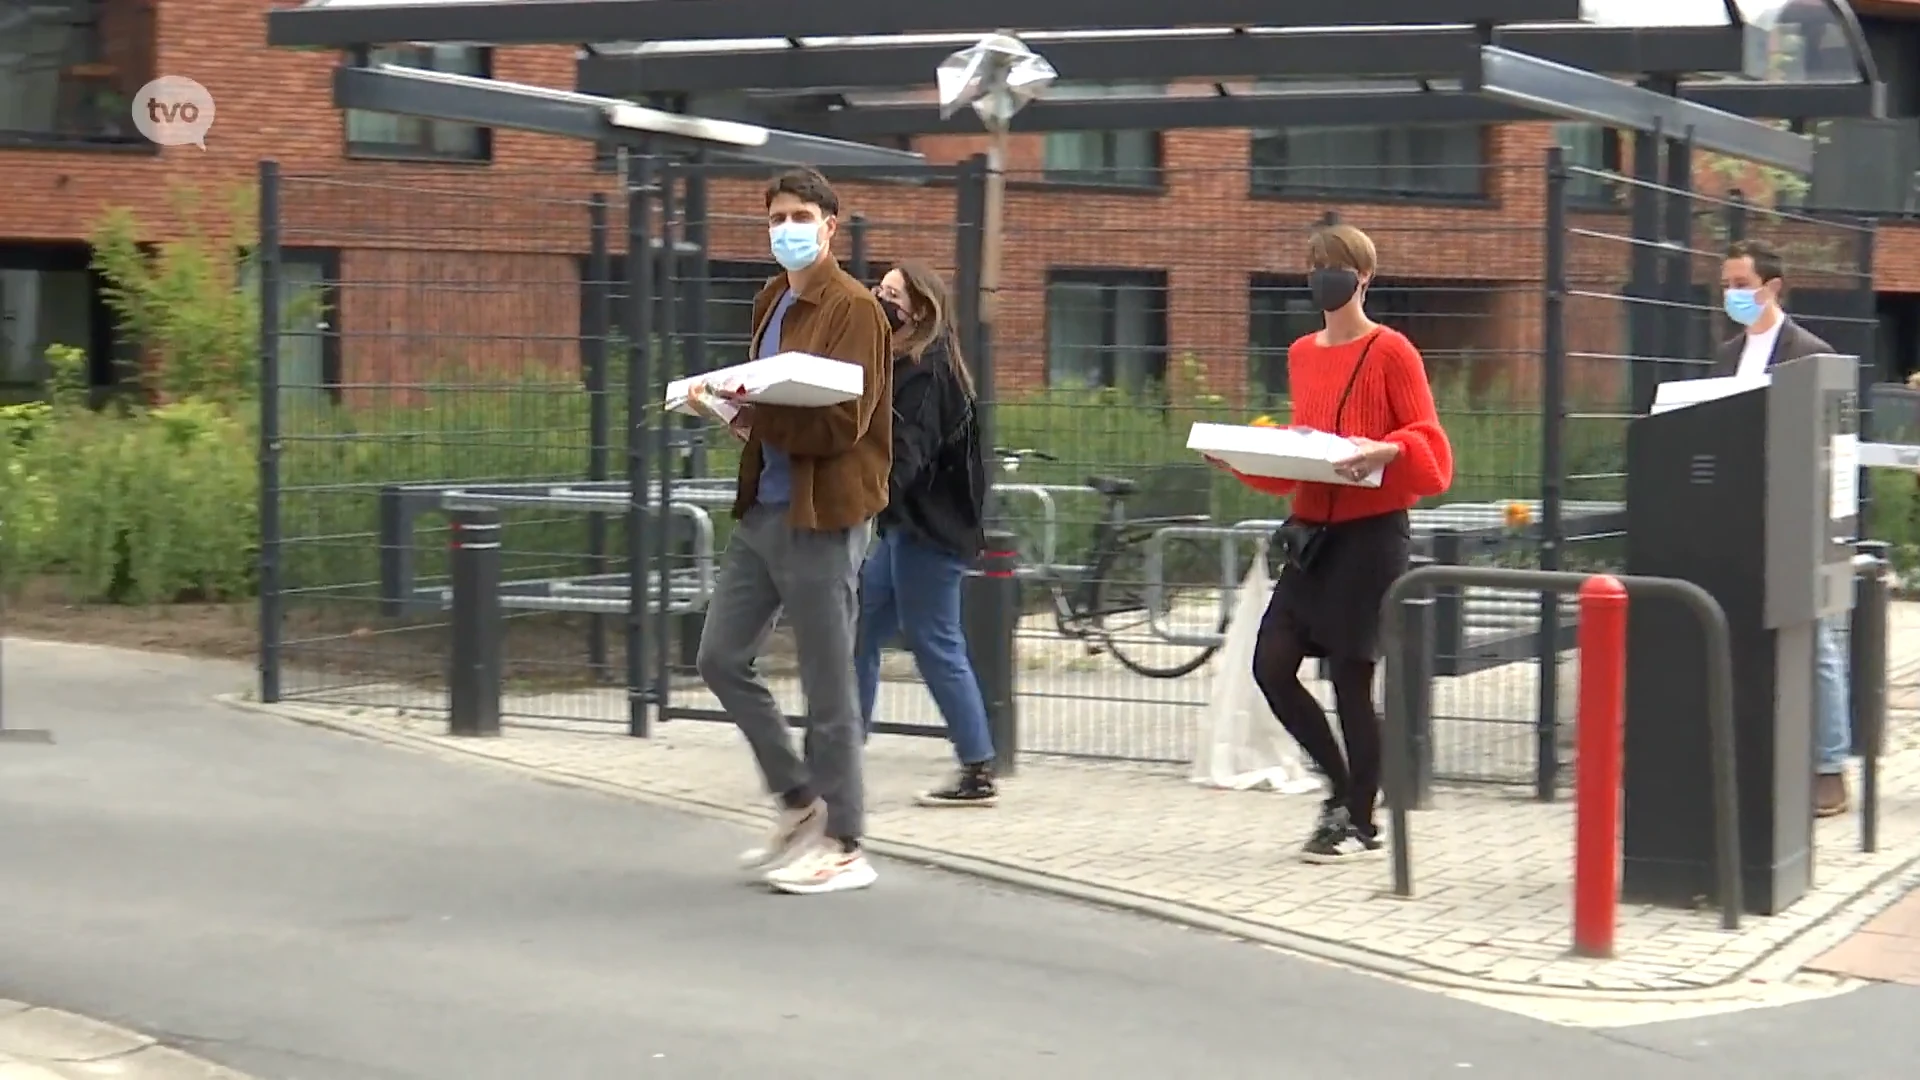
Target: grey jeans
769, 567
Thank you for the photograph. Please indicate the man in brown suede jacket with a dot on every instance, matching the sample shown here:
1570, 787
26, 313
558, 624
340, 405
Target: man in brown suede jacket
811, 482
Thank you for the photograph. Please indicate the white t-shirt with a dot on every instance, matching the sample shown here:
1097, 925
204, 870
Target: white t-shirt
1759, 349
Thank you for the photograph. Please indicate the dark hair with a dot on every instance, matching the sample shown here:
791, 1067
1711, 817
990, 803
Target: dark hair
1766, 261
806, 185
930, 307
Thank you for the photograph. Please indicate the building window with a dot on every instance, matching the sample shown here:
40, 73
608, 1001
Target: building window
309, 371
1107, 329
1279, 312
1434, 161
1118, 158
385, 135
731, 286
1115, 158
1590, 147
69, 70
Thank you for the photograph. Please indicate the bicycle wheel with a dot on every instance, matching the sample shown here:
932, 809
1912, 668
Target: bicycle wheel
1188, 602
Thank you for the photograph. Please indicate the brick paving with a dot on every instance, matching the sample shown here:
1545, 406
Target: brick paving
1887, 948
1493, 866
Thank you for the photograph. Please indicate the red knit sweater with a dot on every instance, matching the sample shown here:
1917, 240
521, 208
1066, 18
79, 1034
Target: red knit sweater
1391, 402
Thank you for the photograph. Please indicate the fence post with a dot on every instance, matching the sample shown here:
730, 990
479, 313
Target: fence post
268, 257
473, 684
1736, 216
1866, 314
1553, 469
992, 615
639, 327
1602, 719
1449, 607
1868, 677
593, 356
1412, 671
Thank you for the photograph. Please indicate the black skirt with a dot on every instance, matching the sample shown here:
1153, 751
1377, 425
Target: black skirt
1335, 606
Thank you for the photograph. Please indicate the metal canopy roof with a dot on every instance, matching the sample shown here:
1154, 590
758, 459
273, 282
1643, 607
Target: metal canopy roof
343, 23
471, 100
826, 68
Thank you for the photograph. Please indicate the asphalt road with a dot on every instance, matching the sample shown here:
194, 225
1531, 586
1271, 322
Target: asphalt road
308, 906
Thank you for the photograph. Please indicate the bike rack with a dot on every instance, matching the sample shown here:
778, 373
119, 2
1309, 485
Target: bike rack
1049, 511
1259, 530
1408, 590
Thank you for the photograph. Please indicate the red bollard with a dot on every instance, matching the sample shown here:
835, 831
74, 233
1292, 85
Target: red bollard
1600, 732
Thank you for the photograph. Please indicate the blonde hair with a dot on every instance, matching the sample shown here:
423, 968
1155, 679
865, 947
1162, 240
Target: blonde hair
1342, 247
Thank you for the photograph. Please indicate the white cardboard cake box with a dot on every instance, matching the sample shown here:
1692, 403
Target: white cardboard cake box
1283, 453
790, 378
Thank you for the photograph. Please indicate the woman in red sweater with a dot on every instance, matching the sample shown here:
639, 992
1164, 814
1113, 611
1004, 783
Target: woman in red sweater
1344, 545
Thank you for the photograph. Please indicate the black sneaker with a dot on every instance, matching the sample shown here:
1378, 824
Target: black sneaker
1333, 818
972, 786
1341, 841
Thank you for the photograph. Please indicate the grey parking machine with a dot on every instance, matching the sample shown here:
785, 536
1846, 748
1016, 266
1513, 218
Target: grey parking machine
1752, 496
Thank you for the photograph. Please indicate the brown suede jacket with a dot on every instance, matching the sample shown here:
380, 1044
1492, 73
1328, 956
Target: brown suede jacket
841, 454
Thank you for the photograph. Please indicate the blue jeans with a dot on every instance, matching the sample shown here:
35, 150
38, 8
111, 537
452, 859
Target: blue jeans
911, 590
1832, 714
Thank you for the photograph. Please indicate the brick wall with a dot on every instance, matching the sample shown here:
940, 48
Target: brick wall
488, 255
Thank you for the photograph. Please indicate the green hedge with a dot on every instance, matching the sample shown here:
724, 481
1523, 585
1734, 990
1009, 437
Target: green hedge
146, 505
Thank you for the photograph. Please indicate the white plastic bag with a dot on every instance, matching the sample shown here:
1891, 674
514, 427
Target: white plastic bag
1242, 746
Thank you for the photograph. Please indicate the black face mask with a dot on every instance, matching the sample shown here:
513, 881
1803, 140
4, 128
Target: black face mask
896, 317
1332, 287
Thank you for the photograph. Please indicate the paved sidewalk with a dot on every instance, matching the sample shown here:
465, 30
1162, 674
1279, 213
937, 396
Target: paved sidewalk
48, 1044
1492, 866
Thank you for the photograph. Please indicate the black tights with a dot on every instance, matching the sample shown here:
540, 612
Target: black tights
1354, 774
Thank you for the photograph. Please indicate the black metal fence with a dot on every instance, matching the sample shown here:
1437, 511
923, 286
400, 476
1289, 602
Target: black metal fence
497, 347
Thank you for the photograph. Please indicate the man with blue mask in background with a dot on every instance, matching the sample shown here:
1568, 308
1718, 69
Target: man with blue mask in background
811, 482
1751, 281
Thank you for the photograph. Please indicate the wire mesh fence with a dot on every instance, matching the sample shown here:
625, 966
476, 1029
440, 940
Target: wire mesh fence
434, 339
492, 344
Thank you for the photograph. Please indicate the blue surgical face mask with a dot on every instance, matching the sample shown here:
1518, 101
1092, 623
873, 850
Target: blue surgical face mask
1744, 306
796, 244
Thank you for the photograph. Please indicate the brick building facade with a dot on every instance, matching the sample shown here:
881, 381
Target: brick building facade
453, 260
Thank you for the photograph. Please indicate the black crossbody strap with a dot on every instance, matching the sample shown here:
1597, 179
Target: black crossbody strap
1340, 411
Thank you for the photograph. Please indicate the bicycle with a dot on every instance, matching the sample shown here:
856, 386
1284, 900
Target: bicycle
1092, 600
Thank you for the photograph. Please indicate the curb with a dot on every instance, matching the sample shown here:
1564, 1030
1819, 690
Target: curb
38, 1042
1760, 979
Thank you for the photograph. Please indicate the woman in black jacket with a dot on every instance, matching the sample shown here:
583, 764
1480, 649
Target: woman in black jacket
930, 531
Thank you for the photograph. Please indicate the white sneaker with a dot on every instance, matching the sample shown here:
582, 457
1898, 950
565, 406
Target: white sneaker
824, 868
793, 831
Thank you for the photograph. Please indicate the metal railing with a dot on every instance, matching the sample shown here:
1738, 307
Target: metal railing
1401, 703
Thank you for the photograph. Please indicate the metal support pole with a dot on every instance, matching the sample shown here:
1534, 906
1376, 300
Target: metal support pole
639, 306
268, 256
991, 614
1677, 328
1602, 733
674, 548
473, 683
692, 350
1553, 471
593, 359
970, 211
1873, 600
1643, 275
857, 249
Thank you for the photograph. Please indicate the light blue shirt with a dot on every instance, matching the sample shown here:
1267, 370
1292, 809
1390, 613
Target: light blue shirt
776, 471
